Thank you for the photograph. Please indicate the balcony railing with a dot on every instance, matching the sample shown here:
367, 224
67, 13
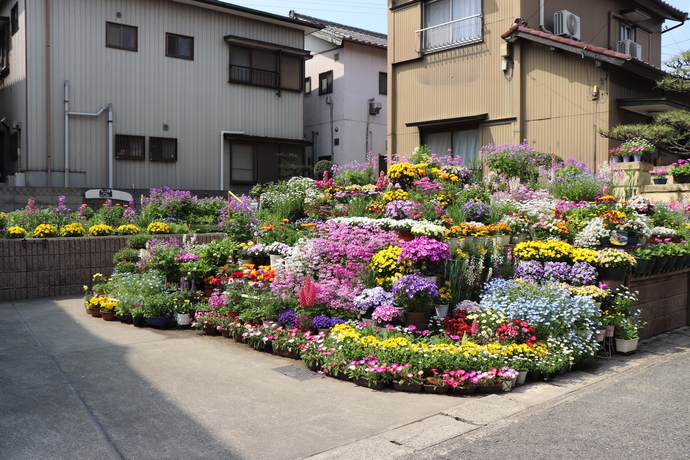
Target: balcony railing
459, 32
256, 77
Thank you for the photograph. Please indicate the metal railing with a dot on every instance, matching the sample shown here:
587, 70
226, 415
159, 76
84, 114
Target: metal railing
256, 77
451, 34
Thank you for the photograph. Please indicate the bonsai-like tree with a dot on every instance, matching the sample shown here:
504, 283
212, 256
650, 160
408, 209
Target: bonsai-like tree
670, 131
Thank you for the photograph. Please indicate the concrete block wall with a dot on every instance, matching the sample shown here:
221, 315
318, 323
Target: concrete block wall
663, 300
49, 267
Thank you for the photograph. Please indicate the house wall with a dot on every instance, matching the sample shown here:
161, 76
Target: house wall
148, 90
355, 81
13, 90
459, 82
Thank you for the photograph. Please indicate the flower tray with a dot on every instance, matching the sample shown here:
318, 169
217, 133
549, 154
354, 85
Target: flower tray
408, 387
362, 382
439, 390
463, 391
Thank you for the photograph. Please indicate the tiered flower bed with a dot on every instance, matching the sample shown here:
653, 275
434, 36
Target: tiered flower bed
426, 275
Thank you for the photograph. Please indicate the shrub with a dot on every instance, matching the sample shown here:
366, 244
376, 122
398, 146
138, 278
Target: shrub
158, 228
74, 229
128, 229
100, 230
126, 255
321, 167
138, 241
519, 160
45, 231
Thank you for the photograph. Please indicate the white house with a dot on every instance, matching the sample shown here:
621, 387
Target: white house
190, 94
346, 83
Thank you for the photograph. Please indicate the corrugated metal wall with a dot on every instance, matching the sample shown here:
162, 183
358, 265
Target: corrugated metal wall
149, 90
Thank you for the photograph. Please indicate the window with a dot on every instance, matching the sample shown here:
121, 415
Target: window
129, 147
451, 23
162, 149
179, 46
462, 144
307, 85
383, 83
14, 18
121, 36
242, 163
268, 68
626, 32
326, 82
4, 47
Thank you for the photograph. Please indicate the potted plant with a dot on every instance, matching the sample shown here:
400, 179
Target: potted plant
108, 307
416, 295
157, 309
680, 170
612, 265
659, 174
637, 148
627, 333
407, 378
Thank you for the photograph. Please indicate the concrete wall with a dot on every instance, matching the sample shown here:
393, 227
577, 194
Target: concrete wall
51, 267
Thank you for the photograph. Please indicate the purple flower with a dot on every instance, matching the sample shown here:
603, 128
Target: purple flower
582, 274
288, 317
424, 249
556, 272
321, 322
372, 298
529, 270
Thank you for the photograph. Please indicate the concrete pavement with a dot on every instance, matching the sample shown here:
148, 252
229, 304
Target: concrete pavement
74, 387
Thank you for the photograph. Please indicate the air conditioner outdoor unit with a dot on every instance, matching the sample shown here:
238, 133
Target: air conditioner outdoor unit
374, 108
566, 24
631, 48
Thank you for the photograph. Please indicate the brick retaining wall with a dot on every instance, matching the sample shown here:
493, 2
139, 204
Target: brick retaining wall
49, 267
663, 300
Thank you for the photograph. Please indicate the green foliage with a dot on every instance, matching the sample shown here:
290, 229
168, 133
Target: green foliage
158, 305
321, 167
517, 160
138, 241
126, 255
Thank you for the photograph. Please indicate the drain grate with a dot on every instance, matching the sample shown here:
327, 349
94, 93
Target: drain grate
296, 372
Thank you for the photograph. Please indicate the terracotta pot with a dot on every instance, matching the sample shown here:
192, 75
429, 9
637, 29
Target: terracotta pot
225, 334
405, 236
211, 330
208, 291
95, 312
108, 315
610, 331
416, 319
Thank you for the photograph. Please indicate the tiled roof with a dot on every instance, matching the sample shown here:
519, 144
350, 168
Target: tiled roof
519, 29
675, 13
336, 33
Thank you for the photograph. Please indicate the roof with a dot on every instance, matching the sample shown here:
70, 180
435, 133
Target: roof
519, 29
664, 10
337, 33
252, 14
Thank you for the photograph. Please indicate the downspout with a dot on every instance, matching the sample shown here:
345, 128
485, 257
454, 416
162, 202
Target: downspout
329, 101
222, 153
366, 138
48, 97
314, 153
67, 114
541, 17
111, 147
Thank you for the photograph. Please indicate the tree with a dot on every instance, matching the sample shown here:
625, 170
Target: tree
669, 131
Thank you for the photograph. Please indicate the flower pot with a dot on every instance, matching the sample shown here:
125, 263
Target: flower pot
502, 240
211, 330
601, 335
610, 330
138, 321
463, 390
108, 315
613, 277
616, 159
126, 318
237, 337
441, 310
660, 180
158, 321
183, 319
681, 179
670, 263
633, 240
659, 264
626, 346
244, 262
416, 319
95, 312
405, 236
490, 388
453, 243
408, 387
637, 157
362, 382
641, 266
522, 376
275, 259
225, 334
626, 158
439, 390
208, 291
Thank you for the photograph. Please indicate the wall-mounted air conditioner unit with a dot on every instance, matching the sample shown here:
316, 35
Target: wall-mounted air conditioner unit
631, 48
566, 24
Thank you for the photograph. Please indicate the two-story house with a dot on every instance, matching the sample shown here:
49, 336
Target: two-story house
346, 86
190, 94
466, 73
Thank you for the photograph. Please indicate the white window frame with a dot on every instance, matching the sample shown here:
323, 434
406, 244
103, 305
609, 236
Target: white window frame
458, 23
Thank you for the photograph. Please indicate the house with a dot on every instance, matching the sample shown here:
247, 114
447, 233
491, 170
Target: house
346, 86
136, 94
466, 73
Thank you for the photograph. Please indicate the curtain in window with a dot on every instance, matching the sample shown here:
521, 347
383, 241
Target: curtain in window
469, 28
439, 143
466, 145
436, 13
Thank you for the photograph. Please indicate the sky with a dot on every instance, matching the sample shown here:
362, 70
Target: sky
371, 15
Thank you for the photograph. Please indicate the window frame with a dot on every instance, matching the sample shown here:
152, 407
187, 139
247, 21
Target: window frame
255, 169
14, 18
255, 72
383, 83
307, 85
157, 152
329, 83
456, 28
169, 35
128, 138
135, 48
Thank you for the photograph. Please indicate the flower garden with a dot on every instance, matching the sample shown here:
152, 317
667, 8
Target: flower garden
432, 276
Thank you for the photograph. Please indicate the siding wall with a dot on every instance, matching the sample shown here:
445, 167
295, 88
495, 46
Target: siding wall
149, 90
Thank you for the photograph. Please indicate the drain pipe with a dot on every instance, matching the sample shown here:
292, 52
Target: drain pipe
329, 101
314, 152
111, 148
541, 17
222, 153
366, 137
67, 114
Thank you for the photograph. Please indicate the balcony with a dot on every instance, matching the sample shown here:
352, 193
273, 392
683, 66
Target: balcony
459, 32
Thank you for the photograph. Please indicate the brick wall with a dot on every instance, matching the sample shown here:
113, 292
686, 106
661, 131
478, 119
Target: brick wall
663, 300
49, 267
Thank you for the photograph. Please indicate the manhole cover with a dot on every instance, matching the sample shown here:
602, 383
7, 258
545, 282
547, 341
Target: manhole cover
296, 372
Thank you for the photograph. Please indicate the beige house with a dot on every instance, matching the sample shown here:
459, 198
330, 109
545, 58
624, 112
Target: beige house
466, 73
189, 94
